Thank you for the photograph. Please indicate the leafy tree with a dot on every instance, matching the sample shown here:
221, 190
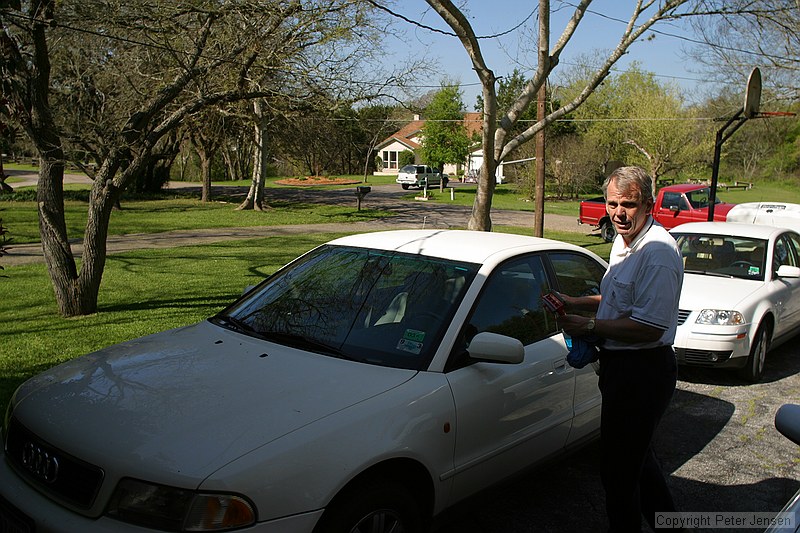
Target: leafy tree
170, 61
444, 136
498, 139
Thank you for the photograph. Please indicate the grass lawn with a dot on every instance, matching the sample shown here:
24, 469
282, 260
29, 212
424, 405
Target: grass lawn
144, 292
152, 290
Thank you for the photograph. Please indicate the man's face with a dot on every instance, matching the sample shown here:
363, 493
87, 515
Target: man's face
628, 211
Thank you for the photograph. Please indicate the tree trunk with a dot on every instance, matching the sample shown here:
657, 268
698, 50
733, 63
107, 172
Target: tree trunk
205, 174
255, 196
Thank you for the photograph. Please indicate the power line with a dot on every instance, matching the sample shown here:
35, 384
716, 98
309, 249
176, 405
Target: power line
444, 32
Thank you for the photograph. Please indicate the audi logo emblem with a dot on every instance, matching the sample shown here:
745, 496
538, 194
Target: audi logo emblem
39, 462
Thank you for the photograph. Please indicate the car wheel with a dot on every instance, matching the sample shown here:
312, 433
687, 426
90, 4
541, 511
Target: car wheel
607, 231
375, 507
405, 186
754, 368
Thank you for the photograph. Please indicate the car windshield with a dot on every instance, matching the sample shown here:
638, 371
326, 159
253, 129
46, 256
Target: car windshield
722, 255
372, 306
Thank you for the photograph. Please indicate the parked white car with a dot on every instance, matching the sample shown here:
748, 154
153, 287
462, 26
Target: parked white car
420, 176
366, 386
740, 296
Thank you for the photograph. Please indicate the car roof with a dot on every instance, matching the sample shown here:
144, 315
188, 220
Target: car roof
459, 245
756, 231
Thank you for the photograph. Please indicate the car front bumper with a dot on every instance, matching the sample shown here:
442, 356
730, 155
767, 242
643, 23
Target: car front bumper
713, 346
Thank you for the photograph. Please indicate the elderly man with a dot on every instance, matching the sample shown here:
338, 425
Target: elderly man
636, 318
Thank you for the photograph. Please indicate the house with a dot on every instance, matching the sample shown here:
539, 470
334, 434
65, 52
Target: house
409, 138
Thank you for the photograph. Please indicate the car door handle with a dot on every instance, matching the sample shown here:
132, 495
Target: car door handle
561, 366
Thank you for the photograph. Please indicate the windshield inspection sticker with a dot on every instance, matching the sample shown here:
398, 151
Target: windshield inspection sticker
753, 271
411, 341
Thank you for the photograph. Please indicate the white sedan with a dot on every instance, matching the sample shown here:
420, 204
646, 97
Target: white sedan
740, 296
366, 386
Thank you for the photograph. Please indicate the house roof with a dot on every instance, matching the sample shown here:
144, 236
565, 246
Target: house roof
472, 122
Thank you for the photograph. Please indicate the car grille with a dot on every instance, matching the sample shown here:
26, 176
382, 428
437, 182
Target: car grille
683, 314
50, 469
702, 357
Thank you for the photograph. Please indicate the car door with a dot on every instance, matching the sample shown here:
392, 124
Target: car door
509, 416
786, 291
580, 275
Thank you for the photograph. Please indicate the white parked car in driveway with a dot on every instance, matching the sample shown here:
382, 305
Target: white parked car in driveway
366, 386
421, 176
740, 296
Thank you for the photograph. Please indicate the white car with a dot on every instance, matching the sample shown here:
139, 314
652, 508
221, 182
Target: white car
421, 176
740, 295
366, 386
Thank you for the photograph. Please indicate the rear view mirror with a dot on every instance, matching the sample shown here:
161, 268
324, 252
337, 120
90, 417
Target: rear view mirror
495, 348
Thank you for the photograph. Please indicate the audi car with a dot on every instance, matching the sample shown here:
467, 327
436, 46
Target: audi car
366, 386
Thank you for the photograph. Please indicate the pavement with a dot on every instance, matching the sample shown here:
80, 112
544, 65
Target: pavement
717, 441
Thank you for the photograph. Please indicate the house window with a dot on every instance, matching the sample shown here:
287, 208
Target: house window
392, 159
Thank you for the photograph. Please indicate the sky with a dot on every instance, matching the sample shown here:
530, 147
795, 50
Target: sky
601, 29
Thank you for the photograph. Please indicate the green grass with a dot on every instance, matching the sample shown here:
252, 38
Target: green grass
507, 196
152, 290
154, 216
144, 292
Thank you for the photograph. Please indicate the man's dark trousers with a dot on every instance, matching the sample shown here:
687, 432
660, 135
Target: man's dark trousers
636, 386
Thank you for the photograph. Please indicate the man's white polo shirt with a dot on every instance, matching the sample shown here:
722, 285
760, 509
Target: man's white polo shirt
643, 282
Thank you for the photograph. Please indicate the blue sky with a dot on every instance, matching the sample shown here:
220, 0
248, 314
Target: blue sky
600, 29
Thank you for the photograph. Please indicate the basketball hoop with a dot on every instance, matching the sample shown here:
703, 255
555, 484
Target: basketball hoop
752, 96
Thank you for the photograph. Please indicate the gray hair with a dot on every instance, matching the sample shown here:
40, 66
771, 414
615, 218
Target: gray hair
629, 179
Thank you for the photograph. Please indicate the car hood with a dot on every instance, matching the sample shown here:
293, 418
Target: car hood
190, 400
711, 292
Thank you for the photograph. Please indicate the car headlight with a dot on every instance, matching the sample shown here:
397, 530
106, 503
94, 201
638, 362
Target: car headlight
720, 317
172, 509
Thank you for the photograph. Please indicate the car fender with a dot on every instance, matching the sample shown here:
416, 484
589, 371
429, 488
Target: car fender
303, 471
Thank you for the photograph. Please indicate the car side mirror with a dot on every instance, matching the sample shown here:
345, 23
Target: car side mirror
788, 271
674, 208
495, 348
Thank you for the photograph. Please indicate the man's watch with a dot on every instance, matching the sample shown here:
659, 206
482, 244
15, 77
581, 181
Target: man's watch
590, 325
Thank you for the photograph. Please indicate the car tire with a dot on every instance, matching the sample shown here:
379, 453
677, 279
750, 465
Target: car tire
607, 231
405, 186
754, 368
373, 507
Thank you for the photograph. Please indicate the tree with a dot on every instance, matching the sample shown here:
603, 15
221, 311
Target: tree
635, 119
173, 60
498, 141
444, 136
741, 34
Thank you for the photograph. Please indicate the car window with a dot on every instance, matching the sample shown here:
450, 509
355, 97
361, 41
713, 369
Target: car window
722, 255
376, 307
785, 253
510, 303
673, 199
577, 275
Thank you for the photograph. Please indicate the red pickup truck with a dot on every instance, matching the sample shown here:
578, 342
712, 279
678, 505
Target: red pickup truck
675, 205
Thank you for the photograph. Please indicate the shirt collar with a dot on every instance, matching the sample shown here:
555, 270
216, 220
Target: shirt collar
622, 250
